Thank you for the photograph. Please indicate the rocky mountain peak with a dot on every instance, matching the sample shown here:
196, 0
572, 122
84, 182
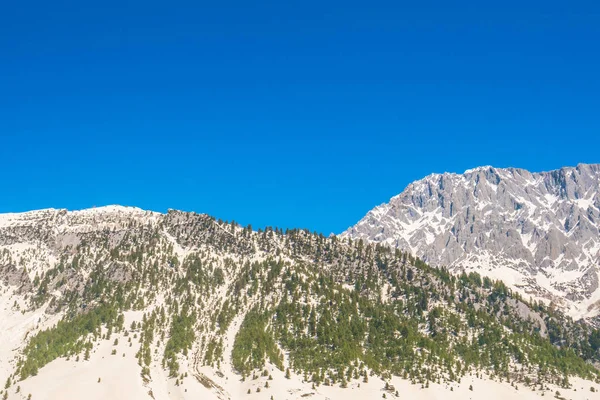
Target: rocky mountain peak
538, 231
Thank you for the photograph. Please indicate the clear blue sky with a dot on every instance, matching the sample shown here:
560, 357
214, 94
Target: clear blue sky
290, 114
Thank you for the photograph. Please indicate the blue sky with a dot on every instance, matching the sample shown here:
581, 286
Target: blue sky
290, 114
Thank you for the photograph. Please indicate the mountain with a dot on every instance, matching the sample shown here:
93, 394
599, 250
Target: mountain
121, 303
538, 232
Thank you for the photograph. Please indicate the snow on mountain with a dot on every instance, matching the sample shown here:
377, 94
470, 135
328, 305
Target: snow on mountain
539, 232
118, 302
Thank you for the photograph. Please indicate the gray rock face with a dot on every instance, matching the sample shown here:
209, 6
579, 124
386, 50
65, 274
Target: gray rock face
539, 232
33, 242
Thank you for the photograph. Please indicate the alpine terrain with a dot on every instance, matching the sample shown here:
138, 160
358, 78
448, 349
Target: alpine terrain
538, 232
121, 303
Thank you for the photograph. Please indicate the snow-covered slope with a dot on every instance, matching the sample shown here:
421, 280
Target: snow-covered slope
538, 232
118, 302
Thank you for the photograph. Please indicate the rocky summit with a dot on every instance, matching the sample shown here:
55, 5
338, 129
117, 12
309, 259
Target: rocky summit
538, 232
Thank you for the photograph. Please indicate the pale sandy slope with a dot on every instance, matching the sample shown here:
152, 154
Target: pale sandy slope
15, 326
120, 379
107, 376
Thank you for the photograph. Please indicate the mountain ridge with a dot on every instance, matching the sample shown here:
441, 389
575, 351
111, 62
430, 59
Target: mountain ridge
181, 305
533, 218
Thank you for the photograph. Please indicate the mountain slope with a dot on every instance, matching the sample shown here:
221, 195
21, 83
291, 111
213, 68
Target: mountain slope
181, 306
539, 232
